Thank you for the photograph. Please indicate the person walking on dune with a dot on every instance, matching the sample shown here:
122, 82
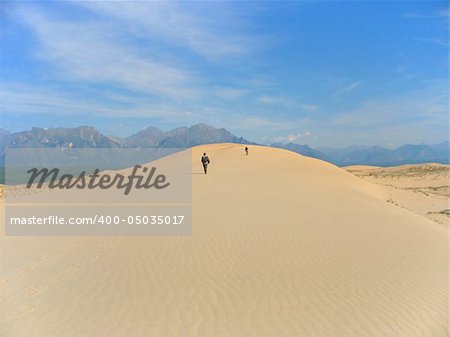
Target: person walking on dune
205, 162
246, 150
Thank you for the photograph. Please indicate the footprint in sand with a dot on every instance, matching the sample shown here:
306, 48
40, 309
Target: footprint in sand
96, 258
3, 282
43, 262
77, 265
34, 291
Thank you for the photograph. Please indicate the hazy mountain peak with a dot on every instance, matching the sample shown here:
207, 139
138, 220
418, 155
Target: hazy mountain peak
202, 126
82, 136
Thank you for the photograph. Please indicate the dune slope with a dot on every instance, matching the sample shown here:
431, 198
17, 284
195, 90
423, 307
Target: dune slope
282, 245
420, 188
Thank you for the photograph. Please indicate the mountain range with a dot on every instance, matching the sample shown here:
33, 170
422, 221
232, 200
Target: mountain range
379, 156
185, 137
375, 155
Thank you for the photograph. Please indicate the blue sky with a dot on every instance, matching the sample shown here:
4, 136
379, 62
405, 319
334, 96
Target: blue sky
325, 73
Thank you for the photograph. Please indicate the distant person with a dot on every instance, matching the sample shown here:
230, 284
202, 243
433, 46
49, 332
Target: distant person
246, 151
205, 162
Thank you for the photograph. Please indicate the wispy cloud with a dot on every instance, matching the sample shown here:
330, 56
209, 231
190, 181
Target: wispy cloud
93, 50
178, 24
260, 82
230, 93
19, 99
425, 111
348, 87
239, 120
294, 137
435, 40
309, 107
252, 123
442, 13
408, 109
26, 100
89, 52
265, 99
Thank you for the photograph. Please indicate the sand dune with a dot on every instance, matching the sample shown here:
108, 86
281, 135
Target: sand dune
282, 245
422, 188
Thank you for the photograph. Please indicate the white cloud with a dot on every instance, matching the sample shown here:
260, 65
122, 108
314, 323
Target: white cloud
272, 100
254, 123
230, 93
435, 40
349, 87
207, 35
260, 82
143, 69
419, 115
19, 99
310, 107
240, 120
408, 108
443, 13
89, 52
293, 137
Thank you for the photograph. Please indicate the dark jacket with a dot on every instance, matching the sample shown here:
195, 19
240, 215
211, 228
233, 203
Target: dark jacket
205, 160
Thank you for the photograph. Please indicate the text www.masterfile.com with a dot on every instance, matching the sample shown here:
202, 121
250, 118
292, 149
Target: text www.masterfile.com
99, 219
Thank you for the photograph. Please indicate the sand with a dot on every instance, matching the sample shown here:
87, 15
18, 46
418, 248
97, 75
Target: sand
423, 188
282, 245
